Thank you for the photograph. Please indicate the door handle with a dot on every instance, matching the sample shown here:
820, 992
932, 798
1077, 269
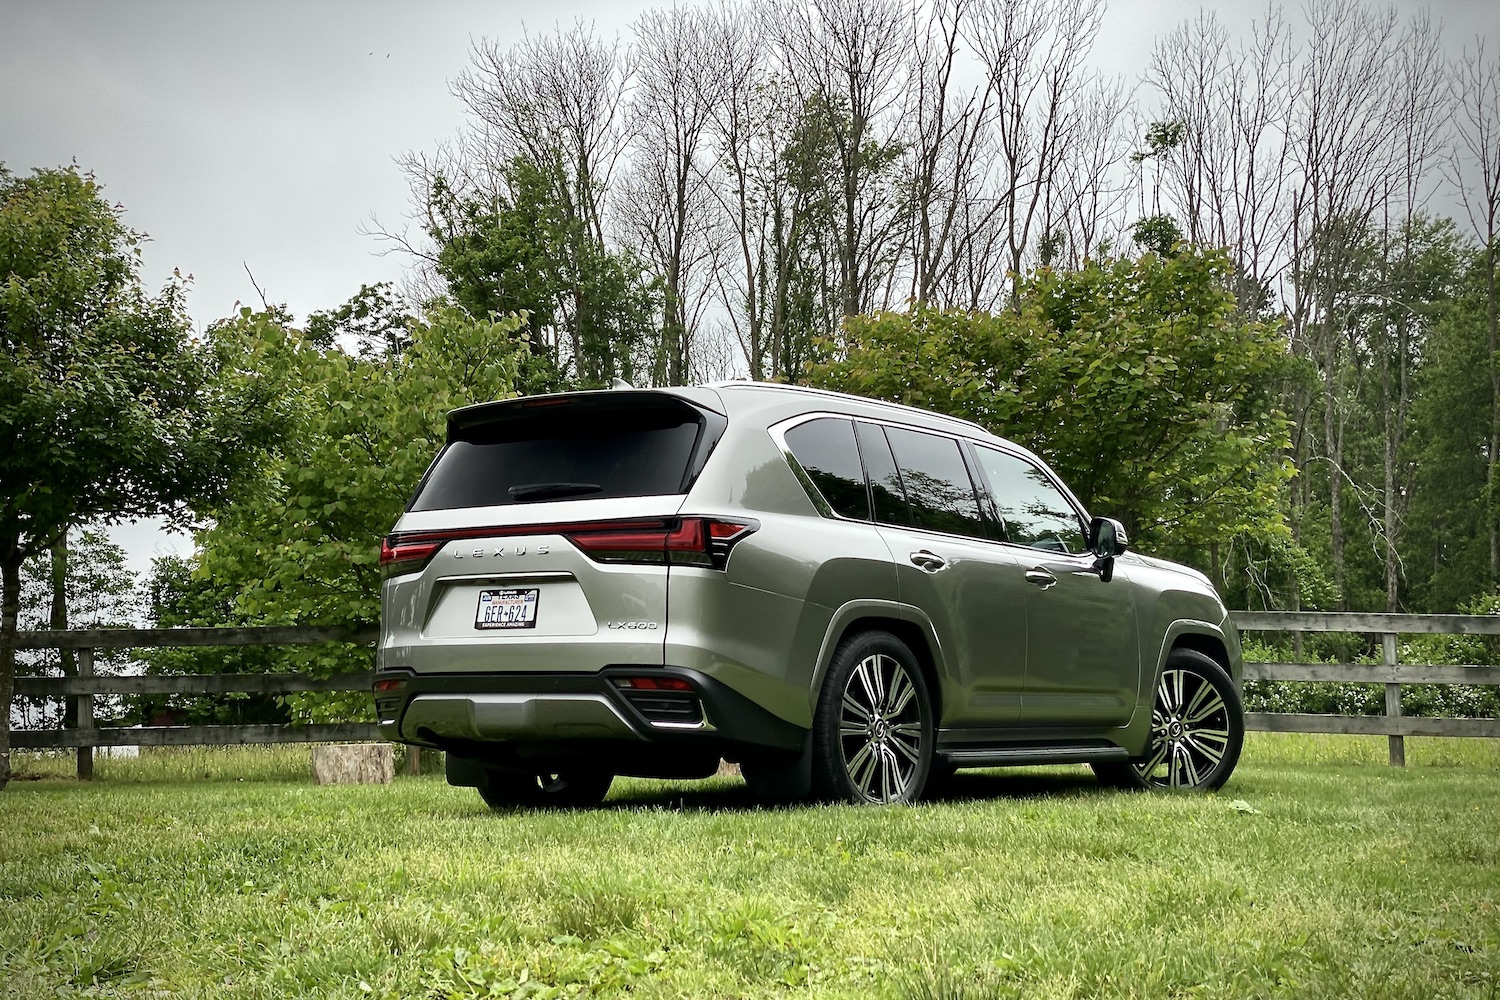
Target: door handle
1040, 577
929, 562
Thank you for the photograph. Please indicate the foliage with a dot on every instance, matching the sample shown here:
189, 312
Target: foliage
99, 586
302, 548
176, 596
107, 408
1326, 881
1137, 380
374, 319
100, 592
1446, 546
592, 313
1157, 233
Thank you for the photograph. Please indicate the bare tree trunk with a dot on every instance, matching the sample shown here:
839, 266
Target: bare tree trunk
1333, 445
1389, 525
58, 619
1494, 456
10, 613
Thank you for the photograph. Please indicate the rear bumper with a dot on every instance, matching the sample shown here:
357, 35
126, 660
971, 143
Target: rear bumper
505, 716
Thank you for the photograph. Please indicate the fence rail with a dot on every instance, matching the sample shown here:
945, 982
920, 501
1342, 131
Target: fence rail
84, 687
1390, 671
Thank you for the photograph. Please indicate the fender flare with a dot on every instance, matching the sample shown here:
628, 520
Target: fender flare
852, 611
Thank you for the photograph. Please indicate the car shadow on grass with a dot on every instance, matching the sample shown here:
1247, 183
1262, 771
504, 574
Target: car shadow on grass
732, 796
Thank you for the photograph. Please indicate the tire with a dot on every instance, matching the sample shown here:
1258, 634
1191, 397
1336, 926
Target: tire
1197, 730
575, 788
873, 733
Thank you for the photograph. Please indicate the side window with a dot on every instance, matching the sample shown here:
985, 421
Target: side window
937, 482
825, 448
1035, 511
885, 481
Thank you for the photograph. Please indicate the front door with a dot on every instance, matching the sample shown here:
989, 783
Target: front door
1083, 654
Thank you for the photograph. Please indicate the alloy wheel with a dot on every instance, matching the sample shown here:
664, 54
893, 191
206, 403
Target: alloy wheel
1190, 731
880, 728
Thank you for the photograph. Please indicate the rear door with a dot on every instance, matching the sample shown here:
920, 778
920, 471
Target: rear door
544, 525
949, 565
1082, 661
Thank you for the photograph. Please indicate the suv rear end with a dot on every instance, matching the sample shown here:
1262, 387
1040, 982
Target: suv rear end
525, 610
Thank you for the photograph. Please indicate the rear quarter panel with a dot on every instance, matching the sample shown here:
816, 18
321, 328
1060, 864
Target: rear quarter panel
760, 624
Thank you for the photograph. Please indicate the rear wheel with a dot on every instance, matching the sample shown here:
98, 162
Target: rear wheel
1197, 730
567, 789
873, 733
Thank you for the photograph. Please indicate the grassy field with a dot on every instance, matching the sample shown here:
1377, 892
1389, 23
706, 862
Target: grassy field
1316, 872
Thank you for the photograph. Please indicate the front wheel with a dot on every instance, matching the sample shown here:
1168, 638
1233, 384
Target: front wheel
1197, 730
575, 788
873, 733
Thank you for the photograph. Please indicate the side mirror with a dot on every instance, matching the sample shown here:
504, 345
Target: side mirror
1107, 539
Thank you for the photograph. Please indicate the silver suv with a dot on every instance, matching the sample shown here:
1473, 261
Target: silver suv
850, 598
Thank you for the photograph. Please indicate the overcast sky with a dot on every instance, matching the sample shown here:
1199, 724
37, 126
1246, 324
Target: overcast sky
264, 135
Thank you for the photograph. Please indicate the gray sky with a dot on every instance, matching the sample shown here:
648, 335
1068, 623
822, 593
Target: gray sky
264, 134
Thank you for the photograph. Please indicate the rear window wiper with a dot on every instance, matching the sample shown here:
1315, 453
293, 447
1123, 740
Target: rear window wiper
552, 491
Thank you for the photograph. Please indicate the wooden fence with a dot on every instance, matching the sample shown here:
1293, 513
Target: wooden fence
1390, 672
86, 686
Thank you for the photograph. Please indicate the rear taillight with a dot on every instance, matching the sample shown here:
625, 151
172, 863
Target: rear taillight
692, 541
398, 556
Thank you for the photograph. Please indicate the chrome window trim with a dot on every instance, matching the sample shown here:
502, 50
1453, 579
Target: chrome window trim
778, 432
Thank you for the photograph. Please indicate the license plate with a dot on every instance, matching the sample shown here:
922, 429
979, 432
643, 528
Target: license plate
515, 608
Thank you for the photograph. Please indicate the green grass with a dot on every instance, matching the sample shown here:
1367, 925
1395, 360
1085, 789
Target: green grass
1318, 871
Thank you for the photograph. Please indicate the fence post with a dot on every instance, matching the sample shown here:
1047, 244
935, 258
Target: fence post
85, 703
1397, 744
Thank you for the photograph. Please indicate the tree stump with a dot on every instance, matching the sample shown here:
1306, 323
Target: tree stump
354, 764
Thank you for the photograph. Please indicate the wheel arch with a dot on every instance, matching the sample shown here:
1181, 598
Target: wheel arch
904, 622
1183, 633
1211, 646
1201, 637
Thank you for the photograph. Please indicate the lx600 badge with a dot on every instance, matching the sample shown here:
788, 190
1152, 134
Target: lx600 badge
637, 625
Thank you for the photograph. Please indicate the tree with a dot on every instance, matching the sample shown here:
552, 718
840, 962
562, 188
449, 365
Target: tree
1476, 167
590, 312
668, 209
1446, 547
302, 547
107, 409
81, 582
1137, 380
1034, 51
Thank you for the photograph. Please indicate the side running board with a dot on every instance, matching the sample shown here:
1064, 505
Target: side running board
1018, 756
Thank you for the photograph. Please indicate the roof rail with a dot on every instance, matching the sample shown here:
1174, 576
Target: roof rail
830, 393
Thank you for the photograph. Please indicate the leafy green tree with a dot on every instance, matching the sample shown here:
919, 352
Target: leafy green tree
175, 597
302, 547
107, 408
1139, 381
82, 583
592, 314
1446, 547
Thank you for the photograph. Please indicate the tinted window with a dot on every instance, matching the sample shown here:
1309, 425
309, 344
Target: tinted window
937, 482
826, 450
1034, 511
885, 481
582, 453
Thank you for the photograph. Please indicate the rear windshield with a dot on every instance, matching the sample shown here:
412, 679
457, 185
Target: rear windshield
567, 451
